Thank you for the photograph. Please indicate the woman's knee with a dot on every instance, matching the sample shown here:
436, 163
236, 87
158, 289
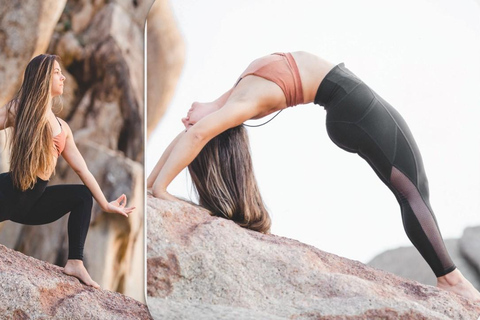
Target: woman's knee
85, 195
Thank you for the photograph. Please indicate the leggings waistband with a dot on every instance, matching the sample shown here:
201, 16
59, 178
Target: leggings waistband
337, 83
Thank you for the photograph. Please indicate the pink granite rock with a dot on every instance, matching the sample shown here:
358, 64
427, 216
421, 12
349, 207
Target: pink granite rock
200, 266
33, 289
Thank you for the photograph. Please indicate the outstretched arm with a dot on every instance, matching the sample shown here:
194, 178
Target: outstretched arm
191, 142
77, 163
158, 167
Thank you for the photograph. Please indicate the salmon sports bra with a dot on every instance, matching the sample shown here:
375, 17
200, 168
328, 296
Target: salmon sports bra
281, 69
59, 140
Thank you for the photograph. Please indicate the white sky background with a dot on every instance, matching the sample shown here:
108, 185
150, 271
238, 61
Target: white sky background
422, 56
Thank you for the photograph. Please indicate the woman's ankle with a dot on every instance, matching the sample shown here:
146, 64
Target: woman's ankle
74, 262
451, 278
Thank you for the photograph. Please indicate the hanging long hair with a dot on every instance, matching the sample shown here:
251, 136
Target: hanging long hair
223, 177
32, 143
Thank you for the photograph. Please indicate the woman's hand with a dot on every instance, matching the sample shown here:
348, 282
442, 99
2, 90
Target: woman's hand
164, 195
118, 206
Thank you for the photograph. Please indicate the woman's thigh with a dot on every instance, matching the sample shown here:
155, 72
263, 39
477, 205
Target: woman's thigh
54, 203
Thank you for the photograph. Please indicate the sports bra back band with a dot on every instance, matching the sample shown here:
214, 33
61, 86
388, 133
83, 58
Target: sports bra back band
281, 69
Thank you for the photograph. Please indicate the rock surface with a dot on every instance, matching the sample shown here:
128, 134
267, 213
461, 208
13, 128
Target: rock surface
470, 248
105, 65
407, 262
33, 289
161, 308
199, 266
165, 58
26, 28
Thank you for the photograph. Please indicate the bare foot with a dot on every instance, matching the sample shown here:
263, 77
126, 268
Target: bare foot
76, 269
457, 283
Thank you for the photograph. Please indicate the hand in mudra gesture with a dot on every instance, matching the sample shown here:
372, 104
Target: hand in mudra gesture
118, 206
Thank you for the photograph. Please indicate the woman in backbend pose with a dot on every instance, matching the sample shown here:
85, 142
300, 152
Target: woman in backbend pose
38, 139
358, 120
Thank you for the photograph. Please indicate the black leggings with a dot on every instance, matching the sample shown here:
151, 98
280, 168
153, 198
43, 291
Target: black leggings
43, 204
360, 121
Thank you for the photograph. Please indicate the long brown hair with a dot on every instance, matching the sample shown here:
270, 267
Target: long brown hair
31, 144
223, 177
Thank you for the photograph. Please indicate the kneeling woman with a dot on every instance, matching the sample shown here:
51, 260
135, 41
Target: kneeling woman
358, 120
39, 138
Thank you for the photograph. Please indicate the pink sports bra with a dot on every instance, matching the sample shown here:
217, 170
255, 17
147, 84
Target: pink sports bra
59, 140
281, 69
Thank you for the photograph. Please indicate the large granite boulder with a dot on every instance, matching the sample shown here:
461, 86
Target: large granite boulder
26, 28
165, 58
199, 267
104, 61
469, 245
33, 289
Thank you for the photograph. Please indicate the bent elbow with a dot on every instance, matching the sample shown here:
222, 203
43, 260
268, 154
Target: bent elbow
198, 136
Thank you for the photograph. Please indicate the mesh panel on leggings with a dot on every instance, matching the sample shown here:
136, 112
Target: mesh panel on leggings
421, 225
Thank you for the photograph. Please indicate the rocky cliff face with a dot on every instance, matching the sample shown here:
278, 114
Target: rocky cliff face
101, 44
33, 289
25, 31
165, 58
200, 267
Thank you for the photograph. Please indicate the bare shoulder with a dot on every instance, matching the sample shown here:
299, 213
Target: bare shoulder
63, 122
65, 126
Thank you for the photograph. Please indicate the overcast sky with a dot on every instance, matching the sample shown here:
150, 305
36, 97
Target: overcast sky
421, 56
